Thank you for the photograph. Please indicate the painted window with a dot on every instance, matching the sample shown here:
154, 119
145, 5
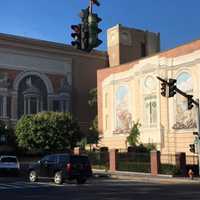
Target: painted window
123, 115
184, 118
150, 111
32, 95
33, 105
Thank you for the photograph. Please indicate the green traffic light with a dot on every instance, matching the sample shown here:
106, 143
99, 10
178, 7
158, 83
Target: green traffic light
94, 30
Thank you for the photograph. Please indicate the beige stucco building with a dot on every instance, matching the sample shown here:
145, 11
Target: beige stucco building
131, 92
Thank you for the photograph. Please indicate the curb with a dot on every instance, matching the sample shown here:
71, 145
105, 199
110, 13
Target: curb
145, 177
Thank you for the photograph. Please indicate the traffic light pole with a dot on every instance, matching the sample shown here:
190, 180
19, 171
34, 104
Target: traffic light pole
90, 6
198, 114
86, 34
198, 137
179, 91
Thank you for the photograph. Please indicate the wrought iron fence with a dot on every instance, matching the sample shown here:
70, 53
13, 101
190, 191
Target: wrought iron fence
192, 160
98, 159
168, 164
132, 161
168, 159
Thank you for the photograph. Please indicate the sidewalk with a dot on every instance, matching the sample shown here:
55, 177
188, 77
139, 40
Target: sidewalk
146, 177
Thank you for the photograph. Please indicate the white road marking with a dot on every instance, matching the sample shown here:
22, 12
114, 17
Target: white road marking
20, 185
109, 183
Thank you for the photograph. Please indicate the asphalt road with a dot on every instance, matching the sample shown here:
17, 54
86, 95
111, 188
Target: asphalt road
96, 189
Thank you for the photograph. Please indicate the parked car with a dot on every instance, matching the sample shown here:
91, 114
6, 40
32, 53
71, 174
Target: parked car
61, 167
9, 164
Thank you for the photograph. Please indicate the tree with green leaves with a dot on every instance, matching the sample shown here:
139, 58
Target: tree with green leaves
7, 136
93, 100
48, 132
93, 134
133, 138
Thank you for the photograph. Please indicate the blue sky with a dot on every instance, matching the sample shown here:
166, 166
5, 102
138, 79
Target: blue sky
176, 20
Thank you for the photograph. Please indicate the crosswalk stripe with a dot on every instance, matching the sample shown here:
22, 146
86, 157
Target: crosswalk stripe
26, 185
11, 186
2, 187
20, 185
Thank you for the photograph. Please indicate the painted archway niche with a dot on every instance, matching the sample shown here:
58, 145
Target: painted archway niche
31, 95
123, 116
184, 118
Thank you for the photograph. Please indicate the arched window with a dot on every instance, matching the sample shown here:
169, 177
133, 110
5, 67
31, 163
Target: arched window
32, 95
184, 118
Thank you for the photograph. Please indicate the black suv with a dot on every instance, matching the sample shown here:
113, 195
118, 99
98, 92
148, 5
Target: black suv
61, 167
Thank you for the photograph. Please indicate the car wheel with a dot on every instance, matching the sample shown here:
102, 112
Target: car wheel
81, 180
33, 176
58, 178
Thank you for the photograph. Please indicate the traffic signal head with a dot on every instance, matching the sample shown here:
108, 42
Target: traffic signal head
195, 133
190, 101
77, 36
192, 148
172, 87
93, 21
84, 38
163, 89
84, 15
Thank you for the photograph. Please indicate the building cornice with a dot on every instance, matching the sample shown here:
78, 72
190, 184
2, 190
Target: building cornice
25, 43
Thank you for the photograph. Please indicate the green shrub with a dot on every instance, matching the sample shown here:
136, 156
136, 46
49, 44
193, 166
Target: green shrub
48, 132
169, 169
133, 137
141, 148
133, 166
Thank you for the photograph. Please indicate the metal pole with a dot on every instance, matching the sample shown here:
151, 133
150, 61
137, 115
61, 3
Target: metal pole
198, 130
90, 7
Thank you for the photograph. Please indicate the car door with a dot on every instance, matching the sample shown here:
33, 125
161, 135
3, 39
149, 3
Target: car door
52, 165
43, 169
47, 166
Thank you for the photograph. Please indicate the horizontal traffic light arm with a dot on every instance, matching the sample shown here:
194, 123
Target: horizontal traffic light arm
178, 90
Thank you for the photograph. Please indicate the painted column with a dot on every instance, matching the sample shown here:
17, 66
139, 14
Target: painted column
62, 106
38, 105
5, 106
29, 106
14, 107
49, 104
24, 105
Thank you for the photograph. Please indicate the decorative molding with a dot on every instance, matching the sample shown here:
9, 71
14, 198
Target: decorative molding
30, 44
43, 77
27, 61
190, 124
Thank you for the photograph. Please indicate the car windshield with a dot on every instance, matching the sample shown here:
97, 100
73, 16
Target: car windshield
9, 159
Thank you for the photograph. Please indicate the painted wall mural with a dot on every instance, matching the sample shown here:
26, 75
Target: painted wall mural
123, 117
185, 118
